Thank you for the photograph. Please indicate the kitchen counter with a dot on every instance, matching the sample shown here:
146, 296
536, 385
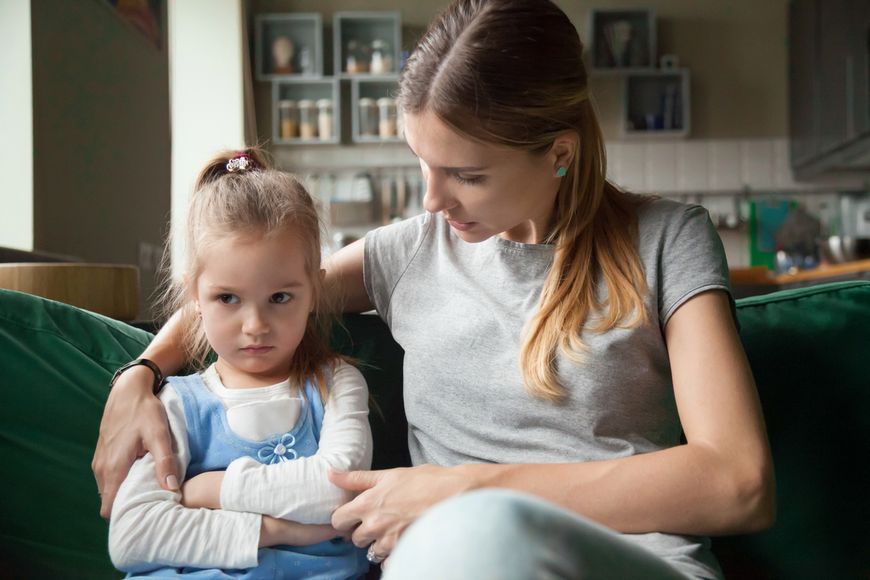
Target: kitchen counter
759, 280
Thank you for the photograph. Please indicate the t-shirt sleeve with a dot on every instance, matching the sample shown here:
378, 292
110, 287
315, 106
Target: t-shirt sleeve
692, 261
389, 250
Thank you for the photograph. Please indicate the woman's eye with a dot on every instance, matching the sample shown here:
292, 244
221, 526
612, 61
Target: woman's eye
228, 298
469, 179
281, 297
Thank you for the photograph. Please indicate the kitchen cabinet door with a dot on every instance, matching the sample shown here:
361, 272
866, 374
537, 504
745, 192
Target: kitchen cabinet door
858, 69
803, 84
833, 65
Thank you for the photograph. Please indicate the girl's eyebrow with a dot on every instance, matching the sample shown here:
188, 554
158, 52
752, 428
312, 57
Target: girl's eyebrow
221, 288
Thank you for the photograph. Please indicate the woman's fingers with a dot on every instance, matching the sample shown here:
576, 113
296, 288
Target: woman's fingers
133, 423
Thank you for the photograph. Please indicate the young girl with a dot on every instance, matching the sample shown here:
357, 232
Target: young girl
276, 395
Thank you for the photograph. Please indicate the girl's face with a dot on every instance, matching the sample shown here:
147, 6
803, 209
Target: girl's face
483, 190
254, 296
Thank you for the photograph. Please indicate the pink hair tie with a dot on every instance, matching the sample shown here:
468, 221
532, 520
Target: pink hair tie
241, 162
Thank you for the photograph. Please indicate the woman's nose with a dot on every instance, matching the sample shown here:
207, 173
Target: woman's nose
437, 197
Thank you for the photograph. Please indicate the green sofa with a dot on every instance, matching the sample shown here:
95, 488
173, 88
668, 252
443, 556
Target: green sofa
809, 350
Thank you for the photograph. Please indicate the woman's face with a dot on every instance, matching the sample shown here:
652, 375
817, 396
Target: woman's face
483, 190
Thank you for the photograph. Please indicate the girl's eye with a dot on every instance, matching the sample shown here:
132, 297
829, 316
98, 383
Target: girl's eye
281, 297
469, 179
228, 298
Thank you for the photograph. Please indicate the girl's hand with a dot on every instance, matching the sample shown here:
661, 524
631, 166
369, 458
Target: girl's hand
275, 532
134, 422
203, 491
390, 500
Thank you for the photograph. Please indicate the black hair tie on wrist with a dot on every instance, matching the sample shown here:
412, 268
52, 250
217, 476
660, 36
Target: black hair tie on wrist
159, 381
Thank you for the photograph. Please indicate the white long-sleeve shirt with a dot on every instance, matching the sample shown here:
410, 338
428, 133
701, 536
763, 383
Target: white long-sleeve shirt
150, 527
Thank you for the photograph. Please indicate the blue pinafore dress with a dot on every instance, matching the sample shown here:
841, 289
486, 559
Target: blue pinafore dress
213, 446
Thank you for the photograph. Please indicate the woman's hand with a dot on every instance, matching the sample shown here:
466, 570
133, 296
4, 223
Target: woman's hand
203, 491
277, 532
134, 422
390, 500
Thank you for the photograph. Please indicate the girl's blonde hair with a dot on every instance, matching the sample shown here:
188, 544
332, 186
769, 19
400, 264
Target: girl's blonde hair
258, 201
510, 72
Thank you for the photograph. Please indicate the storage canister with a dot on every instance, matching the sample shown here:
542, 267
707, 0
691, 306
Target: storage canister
324, 119
387, 117
288, 115
368, 117
307, 119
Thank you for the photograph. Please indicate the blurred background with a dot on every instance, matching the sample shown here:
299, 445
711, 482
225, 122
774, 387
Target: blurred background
757, 110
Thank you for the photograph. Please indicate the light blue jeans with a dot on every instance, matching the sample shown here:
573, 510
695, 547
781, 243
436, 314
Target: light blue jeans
505, 535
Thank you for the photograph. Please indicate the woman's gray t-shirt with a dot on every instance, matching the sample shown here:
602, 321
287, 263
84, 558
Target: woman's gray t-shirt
458, 310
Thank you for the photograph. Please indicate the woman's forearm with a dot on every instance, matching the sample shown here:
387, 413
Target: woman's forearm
688, 489
166, 350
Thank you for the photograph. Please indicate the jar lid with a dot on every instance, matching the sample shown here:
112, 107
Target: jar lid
366, 102
324, 103
306, 103
386, 101
287, 103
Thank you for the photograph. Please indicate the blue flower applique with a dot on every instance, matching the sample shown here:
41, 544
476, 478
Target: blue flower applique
277, 450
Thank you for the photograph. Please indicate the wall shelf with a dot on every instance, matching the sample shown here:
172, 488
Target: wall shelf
622, 41
657, 104
366, 43
297, 90
305, 47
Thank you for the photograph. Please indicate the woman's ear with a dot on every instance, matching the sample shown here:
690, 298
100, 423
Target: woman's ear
564, 150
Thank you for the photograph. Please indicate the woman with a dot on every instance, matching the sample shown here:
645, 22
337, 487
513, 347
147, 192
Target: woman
559, 333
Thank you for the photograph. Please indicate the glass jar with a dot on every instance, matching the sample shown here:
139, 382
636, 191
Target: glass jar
288, 119
382, 60
368, 117
387, 117
356, 60
324, 119
307, 119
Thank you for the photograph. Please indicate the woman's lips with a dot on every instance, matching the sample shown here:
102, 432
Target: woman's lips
461, 226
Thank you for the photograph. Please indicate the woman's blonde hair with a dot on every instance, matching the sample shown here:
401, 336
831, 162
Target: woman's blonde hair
255, 201
510, 72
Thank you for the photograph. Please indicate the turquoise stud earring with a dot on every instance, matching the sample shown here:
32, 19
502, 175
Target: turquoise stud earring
561, 171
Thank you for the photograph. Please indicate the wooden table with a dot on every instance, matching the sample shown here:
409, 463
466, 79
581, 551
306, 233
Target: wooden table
108, 289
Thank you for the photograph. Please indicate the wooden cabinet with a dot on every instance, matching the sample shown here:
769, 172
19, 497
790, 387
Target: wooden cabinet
829, 105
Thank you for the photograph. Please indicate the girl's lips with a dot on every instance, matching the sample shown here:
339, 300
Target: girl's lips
255, 350
461, 226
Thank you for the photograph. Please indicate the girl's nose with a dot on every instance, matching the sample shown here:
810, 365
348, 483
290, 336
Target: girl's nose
255, 323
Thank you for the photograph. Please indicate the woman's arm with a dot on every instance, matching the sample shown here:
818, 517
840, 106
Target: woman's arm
298, 490
134, 421
344, 278
720, 482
